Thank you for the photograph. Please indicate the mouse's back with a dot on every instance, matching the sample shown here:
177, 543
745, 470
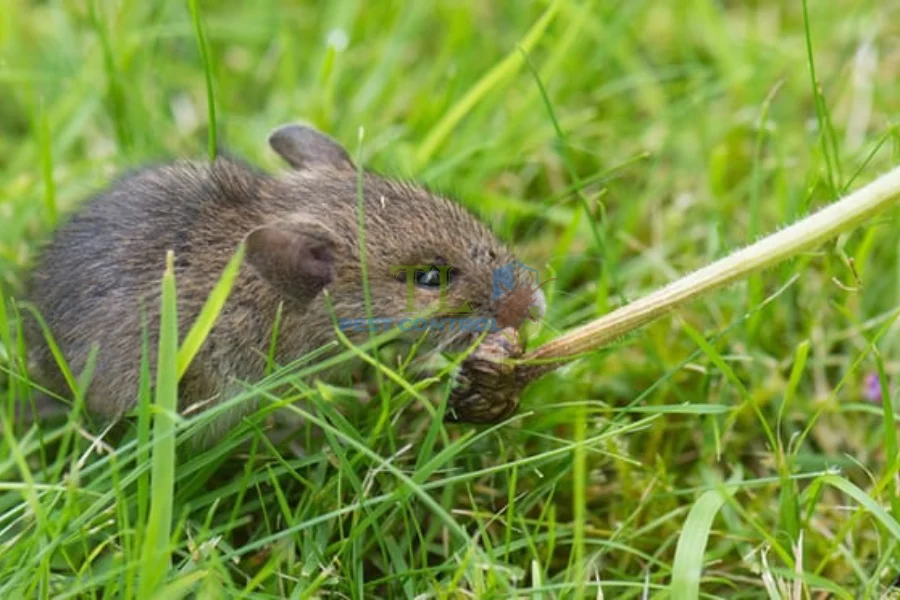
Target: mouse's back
103, 268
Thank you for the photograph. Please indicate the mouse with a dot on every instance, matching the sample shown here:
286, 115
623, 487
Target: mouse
99, 276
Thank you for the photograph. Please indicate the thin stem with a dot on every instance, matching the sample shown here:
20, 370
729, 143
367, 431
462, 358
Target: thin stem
808, 233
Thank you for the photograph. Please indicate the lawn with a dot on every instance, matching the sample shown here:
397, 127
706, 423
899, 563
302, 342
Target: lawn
743, 447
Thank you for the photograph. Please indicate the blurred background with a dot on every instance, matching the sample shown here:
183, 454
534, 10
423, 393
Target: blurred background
616, 145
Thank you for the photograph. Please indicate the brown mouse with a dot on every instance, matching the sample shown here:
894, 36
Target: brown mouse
301, 230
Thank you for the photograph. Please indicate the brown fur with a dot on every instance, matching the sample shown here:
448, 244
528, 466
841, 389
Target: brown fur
105, 264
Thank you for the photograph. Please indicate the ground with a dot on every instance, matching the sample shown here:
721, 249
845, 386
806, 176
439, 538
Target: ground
616, 146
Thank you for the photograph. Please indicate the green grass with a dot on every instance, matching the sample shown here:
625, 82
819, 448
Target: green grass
728, 452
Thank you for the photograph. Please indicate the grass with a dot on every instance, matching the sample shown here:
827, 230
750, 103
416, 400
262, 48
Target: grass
731, 451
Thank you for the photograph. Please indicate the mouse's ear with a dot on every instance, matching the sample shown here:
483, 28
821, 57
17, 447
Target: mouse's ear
304, 147
296, 258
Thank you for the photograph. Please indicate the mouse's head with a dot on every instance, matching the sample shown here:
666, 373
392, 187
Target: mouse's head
432, 268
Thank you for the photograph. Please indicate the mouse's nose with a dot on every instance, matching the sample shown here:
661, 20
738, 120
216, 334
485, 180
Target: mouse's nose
538, 303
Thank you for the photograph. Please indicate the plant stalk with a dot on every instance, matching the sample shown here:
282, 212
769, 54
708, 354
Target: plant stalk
837, 218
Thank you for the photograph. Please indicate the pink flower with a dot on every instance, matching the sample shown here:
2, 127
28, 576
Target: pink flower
872, 388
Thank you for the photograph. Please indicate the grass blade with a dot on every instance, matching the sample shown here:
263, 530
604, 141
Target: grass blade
156, 549
828, 138
490, 80
116, 89
691, 547
209, 313
607, 275
207, 71
46, 150
867, 502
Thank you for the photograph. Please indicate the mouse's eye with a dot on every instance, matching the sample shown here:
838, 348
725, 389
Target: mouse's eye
431, 277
